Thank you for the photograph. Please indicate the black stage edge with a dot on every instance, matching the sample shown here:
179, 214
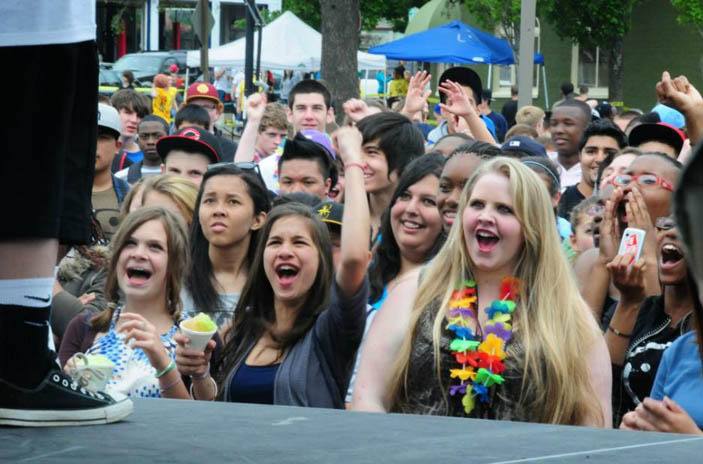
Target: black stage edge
194, 432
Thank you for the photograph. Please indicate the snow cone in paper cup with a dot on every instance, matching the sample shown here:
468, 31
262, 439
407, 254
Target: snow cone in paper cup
199, 330
92, 371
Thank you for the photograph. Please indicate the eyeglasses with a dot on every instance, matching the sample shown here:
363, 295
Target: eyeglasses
595, 210
665, 223
643, 180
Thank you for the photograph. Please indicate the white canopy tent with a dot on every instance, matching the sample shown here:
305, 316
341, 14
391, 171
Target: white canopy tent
287, 43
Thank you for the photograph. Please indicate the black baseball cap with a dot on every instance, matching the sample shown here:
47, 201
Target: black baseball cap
193, 140
659, 132
330, 212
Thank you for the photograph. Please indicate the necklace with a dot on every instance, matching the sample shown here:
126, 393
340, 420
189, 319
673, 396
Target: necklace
480, 356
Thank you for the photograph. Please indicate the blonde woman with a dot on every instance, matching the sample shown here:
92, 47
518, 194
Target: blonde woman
174, 193
459, 347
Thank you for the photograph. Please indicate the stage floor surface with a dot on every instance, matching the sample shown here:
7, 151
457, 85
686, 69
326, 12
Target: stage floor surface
193, 432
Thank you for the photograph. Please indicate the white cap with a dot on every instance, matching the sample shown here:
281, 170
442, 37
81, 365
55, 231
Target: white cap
109, 118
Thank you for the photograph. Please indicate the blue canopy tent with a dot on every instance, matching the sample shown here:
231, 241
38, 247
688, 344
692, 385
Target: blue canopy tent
454, 42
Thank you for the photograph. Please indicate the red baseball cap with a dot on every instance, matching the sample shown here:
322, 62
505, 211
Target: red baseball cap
202, 90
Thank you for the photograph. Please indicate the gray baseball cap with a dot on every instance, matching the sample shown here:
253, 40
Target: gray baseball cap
109, 118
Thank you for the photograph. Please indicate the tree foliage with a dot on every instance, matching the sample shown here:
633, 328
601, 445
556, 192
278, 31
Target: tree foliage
596, 23
372, 11
690, 12
498, 13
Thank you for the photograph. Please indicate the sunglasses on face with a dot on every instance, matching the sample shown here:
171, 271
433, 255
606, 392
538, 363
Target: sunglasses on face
643, 180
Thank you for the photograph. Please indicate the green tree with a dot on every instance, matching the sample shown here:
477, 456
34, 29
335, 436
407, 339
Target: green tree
690, 12
596, 23
372, 11
498, 13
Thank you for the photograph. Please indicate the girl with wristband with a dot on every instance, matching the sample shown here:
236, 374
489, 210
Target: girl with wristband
298, 323
147, 266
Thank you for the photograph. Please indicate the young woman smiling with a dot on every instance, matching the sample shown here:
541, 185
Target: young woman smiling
149, 257
230, 210
296, 327
534, 354
411, 228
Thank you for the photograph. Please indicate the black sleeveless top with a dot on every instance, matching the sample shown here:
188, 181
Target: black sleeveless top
425, 394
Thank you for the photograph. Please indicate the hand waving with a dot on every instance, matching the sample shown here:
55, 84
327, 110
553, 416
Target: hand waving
417, 95
458, 101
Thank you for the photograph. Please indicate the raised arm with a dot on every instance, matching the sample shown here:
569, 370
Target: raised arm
458, 103
356, 222
682, 95
385, 338
417, 95
255, 106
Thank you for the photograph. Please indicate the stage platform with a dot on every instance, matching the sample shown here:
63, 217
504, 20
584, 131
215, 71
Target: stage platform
172, 431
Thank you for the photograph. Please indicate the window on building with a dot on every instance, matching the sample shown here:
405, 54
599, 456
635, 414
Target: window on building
590, 67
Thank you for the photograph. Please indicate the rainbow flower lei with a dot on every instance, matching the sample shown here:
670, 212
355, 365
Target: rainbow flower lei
481, 361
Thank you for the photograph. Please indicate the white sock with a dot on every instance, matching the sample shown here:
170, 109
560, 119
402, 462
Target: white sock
33, 293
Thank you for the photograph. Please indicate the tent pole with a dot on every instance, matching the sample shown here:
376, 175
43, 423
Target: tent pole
544, 80
490, 76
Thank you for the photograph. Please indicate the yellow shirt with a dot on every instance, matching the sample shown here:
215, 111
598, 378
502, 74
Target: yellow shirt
163, 102
398, 88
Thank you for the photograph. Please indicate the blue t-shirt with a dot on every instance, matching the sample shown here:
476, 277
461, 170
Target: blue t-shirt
135, 156
680, 377
253, 384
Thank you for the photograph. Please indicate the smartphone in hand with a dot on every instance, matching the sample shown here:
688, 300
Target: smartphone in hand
632, 242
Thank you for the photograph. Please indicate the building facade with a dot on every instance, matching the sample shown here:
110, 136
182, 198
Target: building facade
126, 26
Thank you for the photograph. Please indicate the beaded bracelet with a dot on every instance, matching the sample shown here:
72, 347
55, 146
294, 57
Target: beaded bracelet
171, 366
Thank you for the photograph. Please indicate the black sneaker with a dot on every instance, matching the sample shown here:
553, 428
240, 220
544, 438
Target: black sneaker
58, 400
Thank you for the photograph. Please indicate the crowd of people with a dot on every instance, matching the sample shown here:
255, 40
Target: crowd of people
472, 270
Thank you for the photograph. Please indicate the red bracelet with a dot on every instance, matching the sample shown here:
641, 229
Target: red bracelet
350, 165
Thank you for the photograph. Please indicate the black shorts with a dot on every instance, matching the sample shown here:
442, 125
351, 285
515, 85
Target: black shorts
50, 99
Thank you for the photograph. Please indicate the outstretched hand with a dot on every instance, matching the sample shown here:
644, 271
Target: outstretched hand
660, 416
457, 102
417, 96
678, 93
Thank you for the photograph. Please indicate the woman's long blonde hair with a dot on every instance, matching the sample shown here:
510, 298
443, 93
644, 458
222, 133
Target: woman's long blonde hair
552, 321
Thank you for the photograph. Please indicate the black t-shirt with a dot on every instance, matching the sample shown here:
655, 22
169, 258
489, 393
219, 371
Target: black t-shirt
652, 335
509, 111
570, 198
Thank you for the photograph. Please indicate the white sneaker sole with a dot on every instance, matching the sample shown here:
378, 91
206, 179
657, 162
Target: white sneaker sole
55, 418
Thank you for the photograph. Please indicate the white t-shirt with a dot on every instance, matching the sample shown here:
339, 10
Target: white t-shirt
41, 22
568, 177
223, 83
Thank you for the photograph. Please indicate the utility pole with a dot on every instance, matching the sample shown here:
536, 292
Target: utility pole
204, 27
527, 52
